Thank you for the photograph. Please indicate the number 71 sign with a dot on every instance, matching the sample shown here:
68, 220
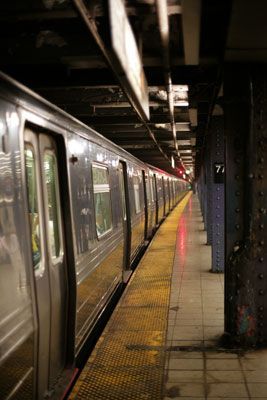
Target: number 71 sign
218, 172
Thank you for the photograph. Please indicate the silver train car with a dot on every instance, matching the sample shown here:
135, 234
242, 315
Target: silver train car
75, 211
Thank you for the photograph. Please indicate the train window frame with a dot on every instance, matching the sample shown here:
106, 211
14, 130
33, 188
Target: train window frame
54, 258
159, 188
136, 189
148, 192
122, 186
38, 268
103, 188
151, 177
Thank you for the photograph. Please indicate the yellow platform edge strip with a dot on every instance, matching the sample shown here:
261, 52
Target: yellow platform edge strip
129, 358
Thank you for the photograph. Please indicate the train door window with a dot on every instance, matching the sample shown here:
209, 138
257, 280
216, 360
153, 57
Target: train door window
52, 193
102, 200
148, 194
136, 194
122, 187
30, 163
151, 188
163, 187
154, 184
160, 194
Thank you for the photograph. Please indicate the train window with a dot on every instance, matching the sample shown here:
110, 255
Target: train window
159, 186
163, 187
151, 188
136, 194
154, 184
122, 189
51, 184
148, 194
102, 200
30, 163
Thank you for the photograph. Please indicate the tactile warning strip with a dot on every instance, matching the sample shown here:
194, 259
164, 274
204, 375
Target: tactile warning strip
129, 358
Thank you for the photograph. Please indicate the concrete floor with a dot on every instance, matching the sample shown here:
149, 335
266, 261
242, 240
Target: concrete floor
196, 368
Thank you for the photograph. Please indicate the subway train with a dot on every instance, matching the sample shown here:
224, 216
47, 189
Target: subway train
75, 211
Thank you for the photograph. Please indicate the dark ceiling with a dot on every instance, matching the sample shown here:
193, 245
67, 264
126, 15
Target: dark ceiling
61, 49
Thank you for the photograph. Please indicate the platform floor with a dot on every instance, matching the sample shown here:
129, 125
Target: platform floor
161, 342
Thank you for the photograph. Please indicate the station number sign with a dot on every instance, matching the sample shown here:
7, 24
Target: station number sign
218, 172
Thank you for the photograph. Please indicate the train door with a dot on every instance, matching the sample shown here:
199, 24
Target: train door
152, 206
48, 255
126, 218
155, 186
163, 196
146, 201
169, 193
174, 192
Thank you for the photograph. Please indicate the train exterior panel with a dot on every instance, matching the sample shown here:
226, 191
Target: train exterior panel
17, 317
75, 211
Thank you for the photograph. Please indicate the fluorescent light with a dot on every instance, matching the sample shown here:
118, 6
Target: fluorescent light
163, 126
181, 103
180, 88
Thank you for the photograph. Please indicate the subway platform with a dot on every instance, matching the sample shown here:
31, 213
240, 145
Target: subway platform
162, 341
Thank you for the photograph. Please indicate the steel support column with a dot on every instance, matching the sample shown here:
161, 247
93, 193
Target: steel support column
216, 173
245, 91
209, 185
204, 196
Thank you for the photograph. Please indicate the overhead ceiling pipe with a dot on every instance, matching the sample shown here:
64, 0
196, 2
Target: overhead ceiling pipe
163, 21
